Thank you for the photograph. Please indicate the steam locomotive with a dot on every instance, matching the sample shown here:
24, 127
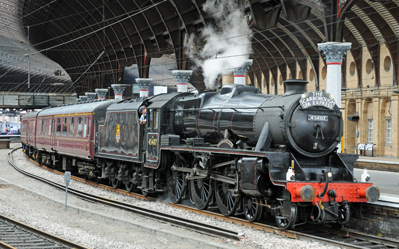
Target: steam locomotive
239, 150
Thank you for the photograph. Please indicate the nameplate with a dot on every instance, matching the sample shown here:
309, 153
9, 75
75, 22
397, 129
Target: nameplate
317, 99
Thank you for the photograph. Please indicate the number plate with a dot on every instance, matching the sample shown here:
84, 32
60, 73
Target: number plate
320, 118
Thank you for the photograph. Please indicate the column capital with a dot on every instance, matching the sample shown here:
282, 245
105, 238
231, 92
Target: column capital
101, 92
334, 51
83, 98
91, 96
243, 69
119, 88
182, 76
144, 83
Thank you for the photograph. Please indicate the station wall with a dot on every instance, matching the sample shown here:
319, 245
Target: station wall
375, 101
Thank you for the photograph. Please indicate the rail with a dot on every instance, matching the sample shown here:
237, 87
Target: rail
322, 234
15, 234
189, 224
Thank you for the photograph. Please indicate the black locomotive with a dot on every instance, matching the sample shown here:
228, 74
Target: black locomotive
240, 150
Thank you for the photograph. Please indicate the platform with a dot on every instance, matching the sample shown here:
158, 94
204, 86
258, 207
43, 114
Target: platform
390, 164
387, 182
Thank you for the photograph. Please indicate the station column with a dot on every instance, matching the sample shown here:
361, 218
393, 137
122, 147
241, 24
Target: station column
91, 96
118, 90
144, 84
334, 52
240, 73
101, 93
182, 77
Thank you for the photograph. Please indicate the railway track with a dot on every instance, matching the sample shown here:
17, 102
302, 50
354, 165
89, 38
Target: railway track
14, 234
347, 239
325, 235
189, 224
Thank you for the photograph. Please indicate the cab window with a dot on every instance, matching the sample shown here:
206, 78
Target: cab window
153, 118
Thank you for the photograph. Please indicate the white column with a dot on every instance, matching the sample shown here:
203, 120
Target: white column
240, 73
101, 93
91, 96
144, 84
334, 53
119, 89
182, 77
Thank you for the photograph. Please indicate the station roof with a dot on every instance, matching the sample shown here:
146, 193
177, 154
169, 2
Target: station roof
89, 39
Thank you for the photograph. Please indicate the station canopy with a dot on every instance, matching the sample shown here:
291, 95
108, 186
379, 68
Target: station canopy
76, 46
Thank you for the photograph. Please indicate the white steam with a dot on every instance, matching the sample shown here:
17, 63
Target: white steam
227, 45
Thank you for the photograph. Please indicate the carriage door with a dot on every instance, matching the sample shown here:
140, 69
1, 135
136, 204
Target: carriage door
152, 137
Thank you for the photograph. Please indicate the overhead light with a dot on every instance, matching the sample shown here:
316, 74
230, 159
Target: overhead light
58, 84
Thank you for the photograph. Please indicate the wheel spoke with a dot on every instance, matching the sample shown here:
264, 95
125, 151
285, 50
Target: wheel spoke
176, 186
201, 192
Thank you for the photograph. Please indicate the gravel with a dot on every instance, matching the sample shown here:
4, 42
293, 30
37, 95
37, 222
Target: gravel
41, 206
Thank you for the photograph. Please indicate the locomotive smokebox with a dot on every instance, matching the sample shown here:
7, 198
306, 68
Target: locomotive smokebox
295, 86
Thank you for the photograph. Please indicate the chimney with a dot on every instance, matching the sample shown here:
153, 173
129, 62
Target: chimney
182, 77
91, 96
144, 84
294, 86
118, 90
240, 73
101, 93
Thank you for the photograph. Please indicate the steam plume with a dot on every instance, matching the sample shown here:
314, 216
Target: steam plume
227, 45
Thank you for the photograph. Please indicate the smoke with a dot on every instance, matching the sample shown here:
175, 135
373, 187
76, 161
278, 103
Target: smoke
227, 45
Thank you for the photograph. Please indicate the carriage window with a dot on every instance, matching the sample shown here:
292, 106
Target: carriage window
72, 127
49, 127
41, 126
79, 127
86, 129
58, 129
79, 130
46, 129
65, 127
